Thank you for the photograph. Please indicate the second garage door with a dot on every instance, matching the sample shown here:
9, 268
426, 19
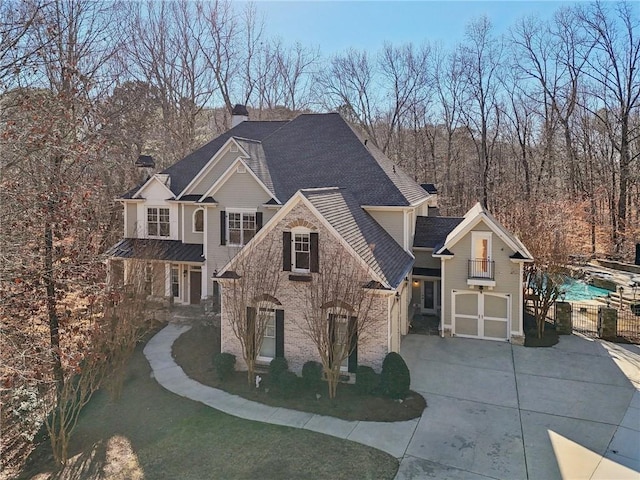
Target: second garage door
481, 314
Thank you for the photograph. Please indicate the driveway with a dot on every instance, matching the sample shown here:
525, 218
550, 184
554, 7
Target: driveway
509, 412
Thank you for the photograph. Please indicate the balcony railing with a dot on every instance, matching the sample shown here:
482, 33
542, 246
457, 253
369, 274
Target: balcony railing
481, 268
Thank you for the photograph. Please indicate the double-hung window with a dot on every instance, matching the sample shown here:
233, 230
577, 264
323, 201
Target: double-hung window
268, 347
301, 252
241, 227
158, 222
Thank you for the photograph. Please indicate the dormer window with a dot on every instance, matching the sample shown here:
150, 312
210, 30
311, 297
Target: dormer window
158, 224
198, 221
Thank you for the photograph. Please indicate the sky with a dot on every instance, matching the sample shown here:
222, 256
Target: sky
335, 26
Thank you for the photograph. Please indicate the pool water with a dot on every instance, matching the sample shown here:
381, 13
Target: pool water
577, 291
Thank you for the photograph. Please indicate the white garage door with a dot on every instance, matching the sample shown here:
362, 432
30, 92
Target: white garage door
481, 315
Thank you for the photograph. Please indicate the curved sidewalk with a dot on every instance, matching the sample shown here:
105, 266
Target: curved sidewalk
390, 437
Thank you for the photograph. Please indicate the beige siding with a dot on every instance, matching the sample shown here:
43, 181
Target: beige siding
392, 222
189, 235
507, 276
131, 227
298, 348
213, 174
424, 259
241, 190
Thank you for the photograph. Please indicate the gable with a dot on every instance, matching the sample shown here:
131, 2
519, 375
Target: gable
337, 214
240, 190
478, 219
154, 189
215, 168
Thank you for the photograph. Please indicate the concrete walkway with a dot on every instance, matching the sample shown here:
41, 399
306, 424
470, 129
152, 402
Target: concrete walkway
495, 410
392, 438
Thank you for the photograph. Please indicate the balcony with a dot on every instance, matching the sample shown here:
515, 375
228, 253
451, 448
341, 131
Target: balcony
481, 271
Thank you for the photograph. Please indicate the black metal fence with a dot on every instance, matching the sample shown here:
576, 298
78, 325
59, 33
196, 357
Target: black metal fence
585, 319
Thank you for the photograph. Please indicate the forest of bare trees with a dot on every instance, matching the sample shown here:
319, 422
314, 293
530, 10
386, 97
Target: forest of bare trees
543, 118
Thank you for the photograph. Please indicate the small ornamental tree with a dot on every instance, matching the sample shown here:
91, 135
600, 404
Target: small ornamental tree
336, 315
250, 287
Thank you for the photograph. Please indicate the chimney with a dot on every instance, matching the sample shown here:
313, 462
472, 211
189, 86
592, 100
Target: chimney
145, 165
239, 114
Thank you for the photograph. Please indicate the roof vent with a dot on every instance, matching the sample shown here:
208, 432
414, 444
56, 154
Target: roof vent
241, 169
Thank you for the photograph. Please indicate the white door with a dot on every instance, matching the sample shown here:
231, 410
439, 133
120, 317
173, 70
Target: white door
481, 315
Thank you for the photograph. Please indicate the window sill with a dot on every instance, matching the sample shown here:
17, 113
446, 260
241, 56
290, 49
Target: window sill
305, 277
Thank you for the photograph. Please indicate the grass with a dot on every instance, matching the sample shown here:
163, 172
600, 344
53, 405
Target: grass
151, 433
194, 351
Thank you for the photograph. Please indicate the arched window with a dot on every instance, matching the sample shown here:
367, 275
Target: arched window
198, 221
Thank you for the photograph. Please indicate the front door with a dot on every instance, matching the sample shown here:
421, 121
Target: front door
430, 296
481, 315
195, 280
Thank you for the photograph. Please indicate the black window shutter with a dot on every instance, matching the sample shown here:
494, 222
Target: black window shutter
251, 330
223, 227
286, 251
258, 221
353, 334
279, 333
313, 247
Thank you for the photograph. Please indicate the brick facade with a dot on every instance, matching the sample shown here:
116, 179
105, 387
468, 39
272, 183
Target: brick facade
298, 347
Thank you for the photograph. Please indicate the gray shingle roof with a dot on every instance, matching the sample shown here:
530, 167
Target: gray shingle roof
433, 231
186, 169
367, 238
310, 151
321, 150
153, 249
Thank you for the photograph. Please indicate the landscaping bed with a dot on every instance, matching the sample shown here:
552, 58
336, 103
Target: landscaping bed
531, 339
150, 433
194, 351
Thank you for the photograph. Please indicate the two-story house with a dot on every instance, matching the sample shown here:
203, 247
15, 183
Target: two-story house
309, 182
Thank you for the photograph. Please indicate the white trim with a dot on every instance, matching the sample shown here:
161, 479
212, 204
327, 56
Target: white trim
242, 212
212, 162
148, 182
471, 219
480, 317
229, 172
146, 222
520, 303
299, 231
182, 227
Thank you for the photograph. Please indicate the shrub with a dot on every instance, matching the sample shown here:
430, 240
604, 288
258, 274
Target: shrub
367, 380
288, 383
395, 379
277, 367
312, 374
224, 363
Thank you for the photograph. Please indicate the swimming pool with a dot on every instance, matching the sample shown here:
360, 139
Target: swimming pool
576, 290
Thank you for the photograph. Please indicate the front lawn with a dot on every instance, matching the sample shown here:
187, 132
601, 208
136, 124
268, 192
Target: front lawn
194, 351
151, 433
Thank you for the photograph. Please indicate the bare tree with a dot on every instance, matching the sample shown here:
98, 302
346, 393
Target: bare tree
614, 69
337, 311
249, 294
482, 55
